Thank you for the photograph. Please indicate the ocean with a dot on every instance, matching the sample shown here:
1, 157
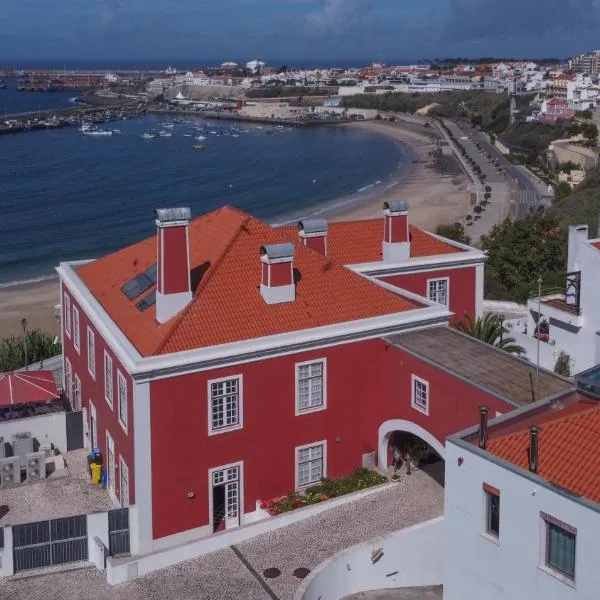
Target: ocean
67, 196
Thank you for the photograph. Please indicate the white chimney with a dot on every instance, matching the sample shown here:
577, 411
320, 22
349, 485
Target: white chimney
578, 235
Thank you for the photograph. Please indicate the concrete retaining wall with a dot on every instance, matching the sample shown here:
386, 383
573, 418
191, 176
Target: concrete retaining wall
410, 557
119, 571
47, 429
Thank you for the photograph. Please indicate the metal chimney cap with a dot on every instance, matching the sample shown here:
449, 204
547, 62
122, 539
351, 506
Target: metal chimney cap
313, 226
165, 216
278, 251
396, 206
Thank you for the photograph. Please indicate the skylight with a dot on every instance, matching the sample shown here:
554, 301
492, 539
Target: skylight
140, 283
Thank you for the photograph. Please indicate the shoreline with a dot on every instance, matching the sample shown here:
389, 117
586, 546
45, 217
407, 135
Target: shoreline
437, 193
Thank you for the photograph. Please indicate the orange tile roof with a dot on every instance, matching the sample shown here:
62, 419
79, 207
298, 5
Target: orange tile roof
355, 242
574, 434
227, 305
595, 245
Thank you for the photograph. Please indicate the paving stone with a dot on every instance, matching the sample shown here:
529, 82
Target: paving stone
223, 576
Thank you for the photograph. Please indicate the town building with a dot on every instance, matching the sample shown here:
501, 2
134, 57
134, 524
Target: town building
522, 502
565, 321
222, 340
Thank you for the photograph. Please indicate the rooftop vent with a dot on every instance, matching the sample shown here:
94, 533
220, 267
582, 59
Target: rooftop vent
483, 426
165, 216
534, 431
396, 206
275, 252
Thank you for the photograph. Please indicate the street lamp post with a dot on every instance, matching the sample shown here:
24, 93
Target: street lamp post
24, 326
537, 368
501, 319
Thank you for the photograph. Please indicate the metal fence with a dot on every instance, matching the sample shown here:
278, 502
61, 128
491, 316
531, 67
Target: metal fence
118, 532
47, 543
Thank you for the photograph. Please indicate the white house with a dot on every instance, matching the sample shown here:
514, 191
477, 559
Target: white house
566, 320
522, 504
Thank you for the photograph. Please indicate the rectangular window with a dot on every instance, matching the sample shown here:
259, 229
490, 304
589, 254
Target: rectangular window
108, 379
492, 510
420, 394
311, 384
68, 380
310, 464
91, 352
76, 394
437, 290
122, 383
67, 313
560, 547
76, 337
225, 404
124, 487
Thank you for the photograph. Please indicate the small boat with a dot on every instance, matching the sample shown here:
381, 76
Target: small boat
200, 138
187, 135
97, 132
199, 147
163, 133
147, 136
117, 131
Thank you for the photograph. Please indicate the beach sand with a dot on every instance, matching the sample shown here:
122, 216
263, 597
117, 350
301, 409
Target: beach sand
34, 301
437, 191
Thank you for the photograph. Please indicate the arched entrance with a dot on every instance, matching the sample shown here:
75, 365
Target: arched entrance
387, 428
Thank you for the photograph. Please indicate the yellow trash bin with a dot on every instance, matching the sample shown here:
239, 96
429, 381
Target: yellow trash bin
96, 472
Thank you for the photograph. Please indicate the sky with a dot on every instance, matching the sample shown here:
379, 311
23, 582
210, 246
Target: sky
280, 30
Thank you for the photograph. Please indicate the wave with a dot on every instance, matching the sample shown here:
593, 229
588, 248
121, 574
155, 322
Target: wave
33, 280
368, 187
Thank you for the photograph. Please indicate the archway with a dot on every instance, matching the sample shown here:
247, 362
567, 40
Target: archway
393, 425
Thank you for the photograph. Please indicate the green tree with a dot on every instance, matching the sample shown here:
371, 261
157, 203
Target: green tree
490, 329
477, 210
521, 251
567, 167
40, 345
561, 191
454, 232
563, 364
590, 131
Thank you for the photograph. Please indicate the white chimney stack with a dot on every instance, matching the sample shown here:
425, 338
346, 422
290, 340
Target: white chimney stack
396, 239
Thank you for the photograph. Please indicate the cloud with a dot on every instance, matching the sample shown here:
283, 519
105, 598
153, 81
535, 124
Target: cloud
481, 19
335, 16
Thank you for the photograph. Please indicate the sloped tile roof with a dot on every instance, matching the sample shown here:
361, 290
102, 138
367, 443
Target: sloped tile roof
227, 305
568, 451
355, 242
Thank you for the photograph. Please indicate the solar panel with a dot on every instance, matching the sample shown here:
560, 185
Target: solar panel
147, 302
140, 283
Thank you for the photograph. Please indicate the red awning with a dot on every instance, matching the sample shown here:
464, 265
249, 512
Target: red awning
27, 387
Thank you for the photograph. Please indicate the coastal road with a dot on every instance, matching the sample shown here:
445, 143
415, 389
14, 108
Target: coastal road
531, 191
499, 207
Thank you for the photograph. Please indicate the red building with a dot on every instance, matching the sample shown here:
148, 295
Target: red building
223, 361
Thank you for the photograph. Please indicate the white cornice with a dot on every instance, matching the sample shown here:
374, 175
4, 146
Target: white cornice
168, 365
427, 263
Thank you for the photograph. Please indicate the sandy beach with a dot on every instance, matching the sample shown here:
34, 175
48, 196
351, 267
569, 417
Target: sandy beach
436, 189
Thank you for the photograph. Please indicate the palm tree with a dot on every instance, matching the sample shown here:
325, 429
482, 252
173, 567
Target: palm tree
490, 329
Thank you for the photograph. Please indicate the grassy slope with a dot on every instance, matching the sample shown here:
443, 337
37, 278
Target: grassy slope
583, 205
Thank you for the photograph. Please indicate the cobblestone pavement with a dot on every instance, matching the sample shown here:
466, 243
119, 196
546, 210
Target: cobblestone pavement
427, 593
67, 492
227, 574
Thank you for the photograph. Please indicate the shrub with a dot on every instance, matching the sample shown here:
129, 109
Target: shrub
563, 364
40, 345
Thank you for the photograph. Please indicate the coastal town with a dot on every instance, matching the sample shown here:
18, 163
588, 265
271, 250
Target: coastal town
387, 390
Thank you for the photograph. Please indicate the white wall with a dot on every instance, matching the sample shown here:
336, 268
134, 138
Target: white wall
511, 569
412, 557
50, 428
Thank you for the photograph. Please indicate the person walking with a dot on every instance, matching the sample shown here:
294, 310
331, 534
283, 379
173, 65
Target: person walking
397, 459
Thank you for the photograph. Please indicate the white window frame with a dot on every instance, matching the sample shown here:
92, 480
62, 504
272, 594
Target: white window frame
240, 466
91, 356
323, 405
240, 423
67, 314
413, 393
123, 468
75, 405
110, 481
123, 422
94, 443
69, 380
109, 383
437, 280
323, 444
76, 330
